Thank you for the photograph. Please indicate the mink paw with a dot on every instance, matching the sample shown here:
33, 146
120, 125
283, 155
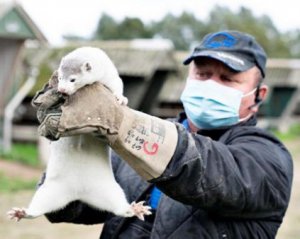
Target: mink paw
17, 213
140, 210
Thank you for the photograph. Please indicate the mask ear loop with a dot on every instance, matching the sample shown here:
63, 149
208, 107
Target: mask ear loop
258, 101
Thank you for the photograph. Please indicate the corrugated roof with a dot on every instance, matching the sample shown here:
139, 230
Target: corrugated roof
135, 62
283, 72
129, 61
132, 61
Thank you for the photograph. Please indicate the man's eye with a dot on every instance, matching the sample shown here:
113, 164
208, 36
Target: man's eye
204, 75
73, 80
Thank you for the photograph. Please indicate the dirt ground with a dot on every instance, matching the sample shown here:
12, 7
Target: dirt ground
290, 228
40, 228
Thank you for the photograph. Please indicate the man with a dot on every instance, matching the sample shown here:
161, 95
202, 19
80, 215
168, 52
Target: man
211, 173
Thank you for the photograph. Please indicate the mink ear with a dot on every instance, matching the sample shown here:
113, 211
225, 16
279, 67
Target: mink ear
87, 66
54, 79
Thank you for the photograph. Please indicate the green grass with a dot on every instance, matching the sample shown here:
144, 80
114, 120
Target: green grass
293, 133
15, 184
24, 153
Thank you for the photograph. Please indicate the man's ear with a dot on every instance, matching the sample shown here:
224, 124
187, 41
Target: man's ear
263, 92
262, 95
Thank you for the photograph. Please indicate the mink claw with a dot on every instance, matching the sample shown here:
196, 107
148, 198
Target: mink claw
140, 210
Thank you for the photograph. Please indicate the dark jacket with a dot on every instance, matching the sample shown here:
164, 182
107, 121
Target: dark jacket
230, 183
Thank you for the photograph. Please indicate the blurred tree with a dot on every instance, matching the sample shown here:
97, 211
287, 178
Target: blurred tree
183, 30
107, 28
292, 40
262, 28
186, 30
129, 28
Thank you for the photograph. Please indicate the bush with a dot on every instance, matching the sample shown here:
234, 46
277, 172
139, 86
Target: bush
15, 184
24, 153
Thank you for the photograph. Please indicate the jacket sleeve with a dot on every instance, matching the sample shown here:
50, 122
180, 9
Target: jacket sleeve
248, 172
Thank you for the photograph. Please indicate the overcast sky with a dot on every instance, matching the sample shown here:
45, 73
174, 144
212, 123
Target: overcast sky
80, 17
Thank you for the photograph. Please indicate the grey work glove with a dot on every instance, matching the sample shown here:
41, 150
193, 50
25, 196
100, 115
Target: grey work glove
48, 103
147, 143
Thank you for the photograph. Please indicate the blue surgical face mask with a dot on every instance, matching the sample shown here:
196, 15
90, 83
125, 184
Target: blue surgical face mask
210, 105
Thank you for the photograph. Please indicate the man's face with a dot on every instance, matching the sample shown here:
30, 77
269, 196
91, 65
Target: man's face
207, 68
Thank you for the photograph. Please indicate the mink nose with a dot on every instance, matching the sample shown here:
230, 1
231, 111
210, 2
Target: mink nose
61, 90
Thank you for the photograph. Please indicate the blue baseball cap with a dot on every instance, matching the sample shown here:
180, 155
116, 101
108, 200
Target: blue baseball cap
239, 51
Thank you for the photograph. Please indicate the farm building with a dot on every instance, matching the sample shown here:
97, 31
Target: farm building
16, 28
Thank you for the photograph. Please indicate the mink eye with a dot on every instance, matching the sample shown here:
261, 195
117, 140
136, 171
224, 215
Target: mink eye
73, 80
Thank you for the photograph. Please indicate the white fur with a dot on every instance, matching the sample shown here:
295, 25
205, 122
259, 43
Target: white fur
79, 169
100, 69
79, 166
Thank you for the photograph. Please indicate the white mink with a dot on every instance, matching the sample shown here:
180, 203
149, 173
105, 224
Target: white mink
87, 65
79, 167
